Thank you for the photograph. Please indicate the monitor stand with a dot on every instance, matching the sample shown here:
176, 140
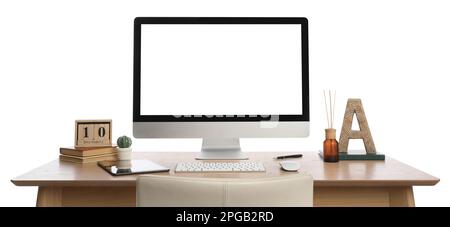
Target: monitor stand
221, 149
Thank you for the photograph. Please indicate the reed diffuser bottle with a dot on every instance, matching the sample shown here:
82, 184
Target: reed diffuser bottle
330, 145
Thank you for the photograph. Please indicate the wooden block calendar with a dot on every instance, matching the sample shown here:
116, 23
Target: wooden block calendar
93, 133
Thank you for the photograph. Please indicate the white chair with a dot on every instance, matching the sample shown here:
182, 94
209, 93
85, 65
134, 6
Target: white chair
172, 191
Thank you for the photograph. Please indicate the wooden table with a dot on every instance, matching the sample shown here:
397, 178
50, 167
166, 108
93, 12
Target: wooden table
346, 183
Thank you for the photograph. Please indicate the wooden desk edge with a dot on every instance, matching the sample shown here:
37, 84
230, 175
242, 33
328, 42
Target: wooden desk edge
319, 183
423, 178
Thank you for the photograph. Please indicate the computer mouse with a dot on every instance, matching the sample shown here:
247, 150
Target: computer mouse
290, 166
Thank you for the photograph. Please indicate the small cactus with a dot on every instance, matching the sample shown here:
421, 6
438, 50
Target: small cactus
124, 142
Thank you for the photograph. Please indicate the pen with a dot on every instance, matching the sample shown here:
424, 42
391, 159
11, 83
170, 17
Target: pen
289, 156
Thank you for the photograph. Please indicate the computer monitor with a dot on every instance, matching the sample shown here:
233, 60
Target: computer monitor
220, 79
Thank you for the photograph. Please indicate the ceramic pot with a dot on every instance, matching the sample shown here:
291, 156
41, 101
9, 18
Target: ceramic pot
124, 154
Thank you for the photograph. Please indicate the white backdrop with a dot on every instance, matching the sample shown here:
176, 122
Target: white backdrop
67, 60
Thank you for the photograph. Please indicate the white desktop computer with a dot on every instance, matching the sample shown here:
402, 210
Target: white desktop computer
220, 79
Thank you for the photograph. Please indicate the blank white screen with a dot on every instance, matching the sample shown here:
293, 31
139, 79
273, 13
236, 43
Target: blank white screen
232, 69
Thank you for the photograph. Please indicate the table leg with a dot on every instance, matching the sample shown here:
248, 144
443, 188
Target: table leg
49, 197
401, 197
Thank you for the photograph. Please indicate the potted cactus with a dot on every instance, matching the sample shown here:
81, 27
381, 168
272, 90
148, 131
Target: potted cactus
124, 149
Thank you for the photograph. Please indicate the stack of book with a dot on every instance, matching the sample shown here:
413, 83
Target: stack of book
87, 154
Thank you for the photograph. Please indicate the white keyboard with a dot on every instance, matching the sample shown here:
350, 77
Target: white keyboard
240, 166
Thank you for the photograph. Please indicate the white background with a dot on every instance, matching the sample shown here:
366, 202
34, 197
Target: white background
61, 61
221, 69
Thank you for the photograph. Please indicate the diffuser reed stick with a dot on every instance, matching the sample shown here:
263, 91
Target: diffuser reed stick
334, 105
326, 108
331, 110
330, 104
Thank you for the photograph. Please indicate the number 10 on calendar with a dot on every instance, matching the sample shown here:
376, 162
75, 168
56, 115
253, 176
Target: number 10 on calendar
93, 133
